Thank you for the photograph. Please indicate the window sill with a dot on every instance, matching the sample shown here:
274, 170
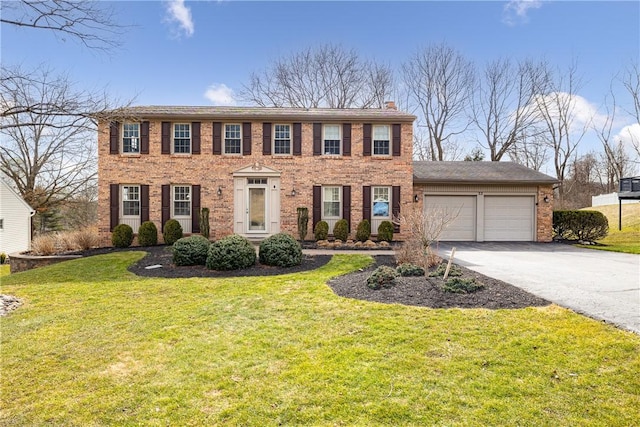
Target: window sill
180, 155
382, 157
130, 155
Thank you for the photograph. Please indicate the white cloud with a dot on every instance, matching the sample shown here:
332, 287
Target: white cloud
629, 135
515, 12
220, 94
178, 13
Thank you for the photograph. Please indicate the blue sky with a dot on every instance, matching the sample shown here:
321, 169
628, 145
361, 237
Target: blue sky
177, 52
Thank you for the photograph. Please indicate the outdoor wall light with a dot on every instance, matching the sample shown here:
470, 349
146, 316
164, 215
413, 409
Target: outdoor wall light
546, 199
219, 192
293, 193
415, 198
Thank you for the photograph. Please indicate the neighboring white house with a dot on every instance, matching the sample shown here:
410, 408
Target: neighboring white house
15, 221
608, 199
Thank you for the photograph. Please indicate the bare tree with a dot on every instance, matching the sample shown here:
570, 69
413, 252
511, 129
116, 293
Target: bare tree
530, 150
91, 23
49, 157
499, 107
324, 76
440, 82
631, 82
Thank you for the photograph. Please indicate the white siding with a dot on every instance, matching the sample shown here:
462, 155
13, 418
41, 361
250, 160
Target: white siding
15, 235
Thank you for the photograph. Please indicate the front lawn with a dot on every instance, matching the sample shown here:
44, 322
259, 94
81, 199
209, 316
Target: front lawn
96, 345
626, 240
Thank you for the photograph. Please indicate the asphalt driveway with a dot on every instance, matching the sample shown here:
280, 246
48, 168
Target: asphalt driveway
602, 285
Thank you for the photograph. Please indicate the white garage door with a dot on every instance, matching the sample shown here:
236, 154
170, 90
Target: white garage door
509, 218
463, 208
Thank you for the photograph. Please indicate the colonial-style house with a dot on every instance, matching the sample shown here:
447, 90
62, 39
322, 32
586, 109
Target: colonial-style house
15, 221
253, 167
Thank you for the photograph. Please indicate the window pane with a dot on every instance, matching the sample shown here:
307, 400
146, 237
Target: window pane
181, 138
331, 202
131, 138
131, 200
282, 139
331, 132
380, 201
181, 201
381, 132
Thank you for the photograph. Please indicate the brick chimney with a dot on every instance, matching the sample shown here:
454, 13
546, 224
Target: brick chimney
390, 105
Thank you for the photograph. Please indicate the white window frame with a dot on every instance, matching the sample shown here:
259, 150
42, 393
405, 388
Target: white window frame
274, 139
173, 139
175, 200
124, 197
136, 139
339, 201
224, 139
373, 141
324, 139
373, 202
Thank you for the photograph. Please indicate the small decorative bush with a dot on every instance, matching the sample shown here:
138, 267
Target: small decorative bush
192, 250
122, 236
66, 241
231, 253
303, 220
86, 239
363, 232
406, 270
321, 232
44, 244
3, 258
454, 271
341, 230
382, 277
280, 250
458, 285
385, 231
147, 234
204, 222
171, 232
580, 225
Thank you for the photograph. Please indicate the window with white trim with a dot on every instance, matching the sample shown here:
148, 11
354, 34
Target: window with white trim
181, 200
331, 140
282, 139
331, 201
381, 202
381, 140
131, 138
182, 138
131, 201
232, 138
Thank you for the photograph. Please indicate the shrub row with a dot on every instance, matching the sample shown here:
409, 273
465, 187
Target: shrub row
580, 225
65, 241
363, 230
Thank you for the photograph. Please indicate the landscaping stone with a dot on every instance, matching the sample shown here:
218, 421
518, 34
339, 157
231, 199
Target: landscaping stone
8, 303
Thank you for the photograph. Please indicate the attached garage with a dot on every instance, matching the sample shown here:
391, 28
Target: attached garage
490, 201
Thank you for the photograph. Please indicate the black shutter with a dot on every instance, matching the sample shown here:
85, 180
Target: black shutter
317, 139
246, 139
395, 207
366, 202
144, 203
114, 137
114, 205
297, 139
166, 138
346, 205
266, 139
166, 204
366, 139
317, 205
195, 138
217, 138
144, 138
396, 139
346, 139
195, 209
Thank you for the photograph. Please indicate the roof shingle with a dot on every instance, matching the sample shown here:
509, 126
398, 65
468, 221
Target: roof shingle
477, 172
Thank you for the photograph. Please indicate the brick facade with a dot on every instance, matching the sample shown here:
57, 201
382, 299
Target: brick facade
213, 172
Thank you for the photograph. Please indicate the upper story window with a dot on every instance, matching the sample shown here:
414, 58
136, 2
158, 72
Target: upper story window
131, 200
181, 200
232, 139
282, 139
330, 202
182, 138
381, 202
381, 140
331, 140
131, 138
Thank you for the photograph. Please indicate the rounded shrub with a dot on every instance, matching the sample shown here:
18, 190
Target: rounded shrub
385, 231
231, 253
363, 232
458, 285
580, 225
192, 250
122, 236
171, 232
321, 231
147, 234
341, 230
280, 250
382, 277
406, 270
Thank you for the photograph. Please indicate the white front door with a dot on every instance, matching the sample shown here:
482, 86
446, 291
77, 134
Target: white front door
257, 209
256, 201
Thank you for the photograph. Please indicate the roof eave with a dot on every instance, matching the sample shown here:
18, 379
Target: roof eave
482, 182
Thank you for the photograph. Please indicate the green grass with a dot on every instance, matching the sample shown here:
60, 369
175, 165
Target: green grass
95, 345
4, 270
626, 240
